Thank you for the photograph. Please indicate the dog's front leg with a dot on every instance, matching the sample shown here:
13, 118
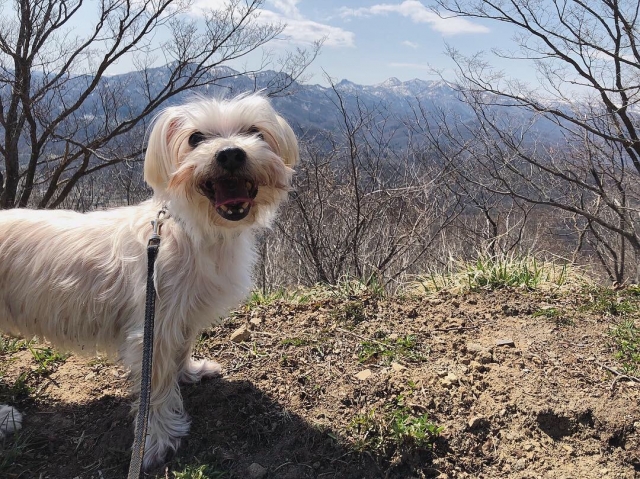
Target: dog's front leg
168, 422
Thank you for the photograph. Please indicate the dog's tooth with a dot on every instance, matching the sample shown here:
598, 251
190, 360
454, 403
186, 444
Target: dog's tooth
241, 210
245, 204
224, 208
248, 185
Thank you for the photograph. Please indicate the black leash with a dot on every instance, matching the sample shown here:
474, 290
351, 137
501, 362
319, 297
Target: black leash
137, 453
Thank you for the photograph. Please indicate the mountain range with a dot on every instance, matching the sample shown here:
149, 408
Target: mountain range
313, 108
309, 108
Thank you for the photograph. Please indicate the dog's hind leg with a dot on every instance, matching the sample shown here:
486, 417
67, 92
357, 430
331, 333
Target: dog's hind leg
194, 370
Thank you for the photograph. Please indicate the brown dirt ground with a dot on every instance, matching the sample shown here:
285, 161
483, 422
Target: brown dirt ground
289, 399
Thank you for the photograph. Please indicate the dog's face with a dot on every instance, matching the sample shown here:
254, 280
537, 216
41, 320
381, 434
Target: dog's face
232, 160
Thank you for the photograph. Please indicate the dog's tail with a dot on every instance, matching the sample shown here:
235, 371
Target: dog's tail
10, 420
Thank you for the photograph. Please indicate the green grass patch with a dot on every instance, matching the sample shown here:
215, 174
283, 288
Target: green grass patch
506, 272
198, 472
296, 342
47, 359
353, 311
20, 388
609, 302
413, 430
258, 298
557, 315
497, 272
396, 427
14, 451
10, 345
348, 287
626, 342
388, 350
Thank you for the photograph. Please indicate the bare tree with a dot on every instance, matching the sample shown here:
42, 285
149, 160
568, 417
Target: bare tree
362, 207
63, 117
588, 62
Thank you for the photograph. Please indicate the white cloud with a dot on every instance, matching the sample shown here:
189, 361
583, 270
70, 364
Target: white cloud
301, 30
418, 13
409, 44
287, 7
298, 29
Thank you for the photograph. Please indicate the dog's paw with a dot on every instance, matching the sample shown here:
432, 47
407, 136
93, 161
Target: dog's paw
157, 452
163, 438
10, 420
197, 370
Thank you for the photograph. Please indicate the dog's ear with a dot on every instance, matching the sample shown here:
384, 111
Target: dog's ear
288, 144
158, 162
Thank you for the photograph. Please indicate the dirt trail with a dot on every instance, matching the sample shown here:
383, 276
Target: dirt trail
356, 387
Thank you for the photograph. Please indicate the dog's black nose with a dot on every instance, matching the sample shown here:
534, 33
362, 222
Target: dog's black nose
231, 159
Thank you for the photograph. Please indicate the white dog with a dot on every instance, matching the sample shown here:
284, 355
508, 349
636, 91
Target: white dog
221, 168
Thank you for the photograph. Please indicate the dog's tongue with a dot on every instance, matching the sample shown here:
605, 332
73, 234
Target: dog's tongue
232, 191
234, 197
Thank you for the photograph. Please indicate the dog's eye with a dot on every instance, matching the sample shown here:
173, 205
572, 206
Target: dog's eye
254, 130
195, 139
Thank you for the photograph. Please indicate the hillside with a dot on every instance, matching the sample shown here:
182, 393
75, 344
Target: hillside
347, 383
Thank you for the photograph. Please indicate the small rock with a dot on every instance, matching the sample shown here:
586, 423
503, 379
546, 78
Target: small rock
256, 471
363, 375
474, 347
520, 464
90, 376
452, 377
476, 366
256, 321
475, 422
445, 383
241, 334
506, 342
449, 380
485, 357
397, 367
393, 336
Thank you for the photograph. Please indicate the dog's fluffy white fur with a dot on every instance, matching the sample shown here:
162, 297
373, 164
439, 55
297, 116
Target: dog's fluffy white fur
221, 168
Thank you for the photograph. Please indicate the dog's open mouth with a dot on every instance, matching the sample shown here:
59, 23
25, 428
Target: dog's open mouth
232, 196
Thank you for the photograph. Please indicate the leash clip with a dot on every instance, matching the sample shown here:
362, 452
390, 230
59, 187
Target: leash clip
157, 224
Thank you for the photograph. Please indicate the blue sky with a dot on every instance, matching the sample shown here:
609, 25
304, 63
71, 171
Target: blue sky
368, 41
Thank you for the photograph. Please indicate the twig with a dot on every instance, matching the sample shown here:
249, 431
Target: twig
457, 328
619, 376
263, 333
